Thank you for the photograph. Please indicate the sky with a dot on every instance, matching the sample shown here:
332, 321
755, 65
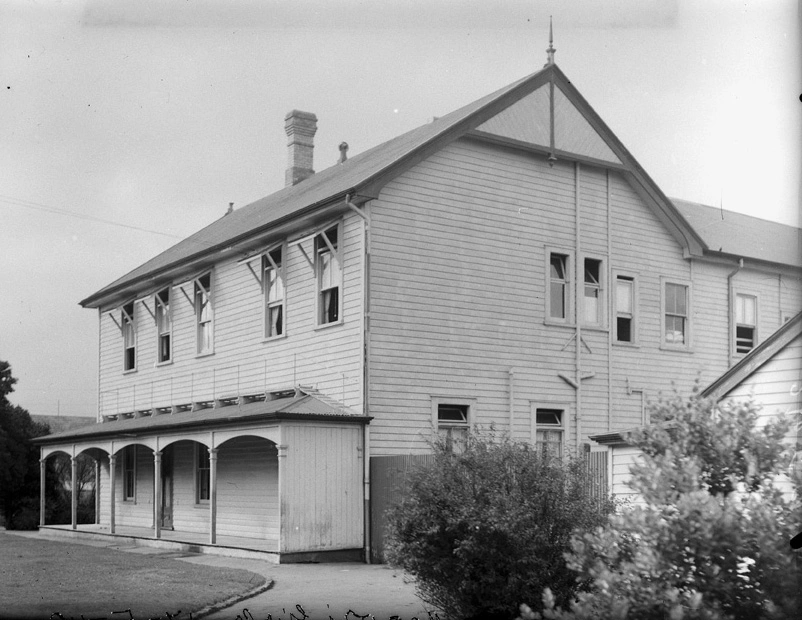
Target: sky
128, 125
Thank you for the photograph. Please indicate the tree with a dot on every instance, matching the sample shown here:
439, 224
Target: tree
487, 527
19, 459
711, 540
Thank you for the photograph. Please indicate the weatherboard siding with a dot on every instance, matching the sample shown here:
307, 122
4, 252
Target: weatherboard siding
321, 494
243, 362
459, 249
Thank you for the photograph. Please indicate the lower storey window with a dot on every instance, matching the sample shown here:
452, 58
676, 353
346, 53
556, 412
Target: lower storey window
129, 473
452, 422
549, 431
202, 475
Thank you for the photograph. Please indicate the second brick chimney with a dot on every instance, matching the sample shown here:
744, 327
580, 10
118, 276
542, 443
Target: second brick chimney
300, 128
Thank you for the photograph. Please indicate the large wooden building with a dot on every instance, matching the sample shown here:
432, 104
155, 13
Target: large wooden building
508, 263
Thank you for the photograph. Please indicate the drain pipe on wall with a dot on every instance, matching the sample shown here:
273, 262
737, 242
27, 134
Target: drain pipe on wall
365, 215
511, 375
731, 310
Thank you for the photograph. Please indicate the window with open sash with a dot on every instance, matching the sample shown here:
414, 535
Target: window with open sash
558, 286
129, 473
329, 275
202, 474
624, 309
676, 317
549, 431
745, 323
593, 304
273, 282
453, 423
164, 327
204, 314
129, 337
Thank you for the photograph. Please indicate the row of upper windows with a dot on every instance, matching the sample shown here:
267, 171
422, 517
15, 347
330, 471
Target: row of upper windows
272, 278
676, 305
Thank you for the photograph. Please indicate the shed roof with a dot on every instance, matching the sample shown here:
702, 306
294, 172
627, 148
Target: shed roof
755, 358
743, 236
302, 406
364, 175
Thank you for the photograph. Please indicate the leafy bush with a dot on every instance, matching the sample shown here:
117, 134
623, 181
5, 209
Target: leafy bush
711, 540
486, 528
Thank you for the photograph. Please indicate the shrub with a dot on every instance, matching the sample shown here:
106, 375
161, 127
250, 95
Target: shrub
486, 528
711, 540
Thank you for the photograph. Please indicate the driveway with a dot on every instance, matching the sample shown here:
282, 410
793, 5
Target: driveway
323, 591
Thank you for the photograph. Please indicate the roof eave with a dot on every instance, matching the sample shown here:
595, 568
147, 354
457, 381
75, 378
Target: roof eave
208, 256
276, 416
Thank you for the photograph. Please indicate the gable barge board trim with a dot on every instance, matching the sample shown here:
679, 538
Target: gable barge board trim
691, 240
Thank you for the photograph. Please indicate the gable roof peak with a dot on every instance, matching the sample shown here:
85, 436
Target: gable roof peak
551, 49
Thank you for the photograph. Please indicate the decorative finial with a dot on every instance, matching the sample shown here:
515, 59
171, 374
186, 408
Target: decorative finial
550, 51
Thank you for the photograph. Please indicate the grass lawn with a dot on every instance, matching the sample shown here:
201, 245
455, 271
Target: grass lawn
41, 577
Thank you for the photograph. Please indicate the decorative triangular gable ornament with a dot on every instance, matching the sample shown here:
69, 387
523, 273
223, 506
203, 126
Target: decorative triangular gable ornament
530, 121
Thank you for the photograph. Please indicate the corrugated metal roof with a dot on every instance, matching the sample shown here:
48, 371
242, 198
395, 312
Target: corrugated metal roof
742, 235
298, 407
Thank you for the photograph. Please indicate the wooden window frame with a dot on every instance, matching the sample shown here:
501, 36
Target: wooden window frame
128, 330
688, 316
543, 407
269, 265
129, 465
601, 286
735, 324
447, 428
201, 292
164, 325
323, 246
202, 474
567, 284
633, 315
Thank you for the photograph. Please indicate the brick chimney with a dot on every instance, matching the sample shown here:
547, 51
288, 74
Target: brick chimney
300, 128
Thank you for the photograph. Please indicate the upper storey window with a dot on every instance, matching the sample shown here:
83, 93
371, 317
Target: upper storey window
204, 314
558, 286
329, 275
745, 323
129, 337
164, 327
593, 291
676, 317
624, 309
273, 279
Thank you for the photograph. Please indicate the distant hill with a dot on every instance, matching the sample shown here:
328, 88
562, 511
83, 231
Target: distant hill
60, 423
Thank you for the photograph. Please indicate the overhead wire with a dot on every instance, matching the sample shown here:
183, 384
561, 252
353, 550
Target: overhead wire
29, 204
